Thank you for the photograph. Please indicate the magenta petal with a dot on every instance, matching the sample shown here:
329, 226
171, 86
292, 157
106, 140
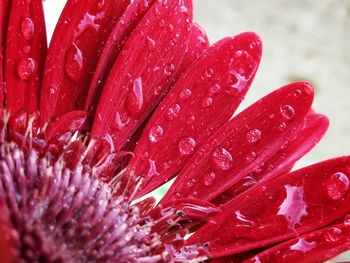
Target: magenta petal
25, 55
316, 247
127, 23
283, 160
143, 71
243, 144
76, 45
199, 103
283, 208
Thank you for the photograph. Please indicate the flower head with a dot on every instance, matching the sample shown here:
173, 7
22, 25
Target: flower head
131, 95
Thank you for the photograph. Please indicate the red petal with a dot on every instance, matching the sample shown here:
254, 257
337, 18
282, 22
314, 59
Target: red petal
76, 45
199, 103
197, 45
314, 247
4, 12
25, 54
283, 208
127, 23
145, 67
243, 144
283, 160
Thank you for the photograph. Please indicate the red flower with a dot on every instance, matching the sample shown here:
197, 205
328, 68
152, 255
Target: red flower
126, 98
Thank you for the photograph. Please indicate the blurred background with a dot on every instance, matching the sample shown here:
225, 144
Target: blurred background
302, 40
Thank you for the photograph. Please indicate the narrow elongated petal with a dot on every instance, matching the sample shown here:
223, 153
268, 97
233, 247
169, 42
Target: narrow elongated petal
4, 12
76, 45
200, 102
25, 55
283, 160
243, 144
127, 23
197, 45
283, 208
316, 247
146, 66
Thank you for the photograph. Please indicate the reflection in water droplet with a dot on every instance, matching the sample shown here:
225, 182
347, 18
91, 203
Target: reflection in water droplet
155, 133
303, 245
26, 68
209, 179
293, 206
53, 89
333, 235
173, 111
207, 102
253, 136
282, 126
187, 145
337, 185
169, 69
152, 168
215, 89
27, 28
222, 158
185, 94
74, 63
134, 100
288, 112
151, 44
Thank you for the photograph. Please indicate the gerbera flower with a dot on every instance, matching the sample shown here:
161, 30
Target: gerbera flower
130, 95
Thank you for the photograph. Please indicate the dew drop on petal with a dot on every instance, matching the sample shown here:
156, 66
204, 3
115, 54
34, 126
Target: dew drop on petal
287, 112
155, 133
207, 102
282, 126
191, 119
74, 64
209, 73
173, 112
187, 145
169, 69
333, 235
337, 185
243, 63
53, 88
26, 68
222, 158
27, 28
134, 100
151, 44
185, 94
209, 179
215, 89
253, 135
191, 182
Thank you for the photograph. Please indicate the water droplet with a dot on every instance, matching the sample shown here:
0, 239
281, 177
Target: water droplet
209, 73
251, 156
26, 68
161, 22
134, 99
152, 168
209, 179
27, 49
170, 28
53, 89
187, 145
190, 120
185, 94
243, 63
191, 182
222, 158
169, 69
282, 126
151, 44
333, 235
27, 28
155, 133
253, 136
207, 102
74, 64
337, 185
120, 123
173, 111
288, 112
215, 89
